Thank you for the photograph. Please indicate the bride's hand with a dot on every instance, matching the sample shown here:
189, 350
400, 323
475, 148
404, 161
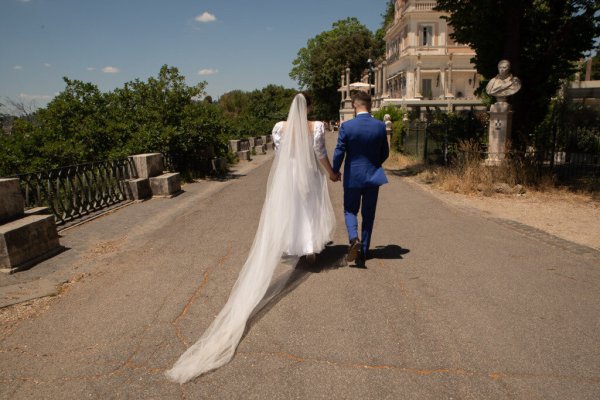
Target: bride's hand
335, 177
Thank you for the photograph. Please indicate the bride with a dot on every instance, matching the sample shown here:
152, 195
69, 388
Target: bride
297, 220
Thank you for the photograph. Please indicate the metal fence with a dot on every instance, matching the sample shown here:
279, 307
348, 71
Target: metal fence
433, 143
75, 191
427, 141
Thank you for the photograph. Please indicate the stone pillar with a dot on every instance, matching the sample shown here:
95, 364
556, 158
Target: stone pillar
149, 168
26, 237
385, 82
343, 84
499, 131
12, 204
443, 81
377, 86
148, 165
418, 94
450, 92
348, 81
381, 80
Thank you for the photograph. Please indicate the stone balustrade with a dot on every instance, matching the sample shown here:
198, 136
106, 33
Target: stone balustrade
29, 236
150, 181
244, 148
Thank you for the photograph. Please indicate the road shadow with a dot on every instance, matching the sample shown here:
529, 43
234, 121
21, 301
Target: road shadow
230, 176
331, 258
41, 258
389, 252
406, 172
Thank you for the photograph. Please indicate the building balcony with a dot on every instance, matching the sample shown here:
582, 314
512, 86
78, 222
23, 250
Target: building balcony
419, 5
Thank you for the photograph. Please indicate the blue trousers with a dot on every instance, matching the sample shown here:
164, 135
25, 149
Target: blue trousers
353, 197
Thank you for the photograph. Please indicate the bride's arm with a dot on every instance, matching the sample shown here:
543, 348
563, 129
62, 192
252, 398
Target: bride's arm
321, 152
276, 135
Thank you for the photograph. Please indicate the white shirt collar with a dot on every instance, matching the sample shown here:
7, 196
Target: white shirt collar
362, 112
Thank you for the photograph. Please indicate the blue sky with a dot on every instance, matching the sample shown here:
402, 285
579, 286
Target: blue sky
232, 44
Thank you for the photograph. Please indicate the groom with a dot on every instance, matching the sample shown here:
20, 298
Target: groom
363, 141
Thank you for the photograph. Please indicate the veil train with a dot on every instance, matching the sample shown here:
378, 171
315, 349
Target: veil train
296, 201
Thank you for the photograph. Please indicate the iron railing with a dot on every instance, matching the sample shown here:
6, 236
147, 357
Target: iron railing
75, 191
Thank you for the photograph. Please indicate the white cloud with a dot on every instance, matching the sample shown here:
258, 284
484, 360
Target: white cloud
91, 68
111, 70
208, 71
34, 97
17, 67
24, 1
47, 65
206, 17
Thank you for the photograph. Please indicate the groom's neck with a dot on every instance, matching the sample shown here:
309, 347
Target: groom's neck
361, 109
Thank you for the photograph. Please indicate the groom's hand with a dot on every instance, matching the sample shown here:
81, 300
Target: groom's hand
335, 176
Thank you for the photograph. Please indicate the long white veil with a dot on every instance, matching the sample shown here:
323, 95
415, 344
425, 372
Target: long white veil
296, 186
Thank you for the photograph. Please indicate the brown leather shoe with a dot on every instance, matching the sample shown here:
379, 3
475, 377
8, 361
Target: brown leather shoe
353, 250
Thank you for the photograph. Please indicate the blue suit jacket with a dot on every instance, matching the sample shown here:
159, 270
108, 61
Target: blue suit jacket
363, 141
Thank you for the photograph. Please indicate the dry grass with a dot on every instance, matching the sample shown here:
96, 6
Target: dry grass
469, 175
402, 162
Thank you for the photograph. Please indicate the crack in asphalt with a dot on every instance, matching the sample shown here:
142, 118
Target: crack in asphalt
495, 375
195, 295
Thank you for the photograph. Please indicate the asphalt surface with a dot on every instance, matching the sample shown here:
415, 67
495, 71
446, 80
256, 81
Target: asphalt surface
453, 305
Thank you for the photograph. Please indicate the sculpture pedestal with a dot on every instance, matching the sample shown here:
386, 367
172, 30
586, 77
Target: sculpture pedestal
499, 132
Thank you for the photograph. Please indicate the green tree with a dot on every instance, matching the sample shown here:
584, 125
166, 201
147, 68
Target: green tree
318, 66
387, 20
147, 116
254, 113
82, 124
541, 39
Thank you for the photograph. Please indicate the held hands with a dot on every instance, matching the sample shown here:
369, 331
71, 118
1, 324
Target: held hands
335, 176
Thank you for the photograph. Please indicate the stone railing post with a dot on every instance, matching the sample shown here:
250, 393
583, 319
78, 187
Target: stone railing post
26, 236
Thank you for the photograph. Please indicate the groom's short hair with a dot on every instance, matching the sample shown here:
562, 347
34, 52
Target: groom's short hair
362, 98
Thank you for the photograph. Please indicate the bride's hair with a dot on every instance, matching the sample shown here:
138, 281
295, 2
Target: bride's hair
308, 99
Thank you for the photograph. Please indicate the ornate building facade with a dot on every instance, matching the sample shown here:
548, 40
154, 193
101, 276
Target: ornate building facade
423, 66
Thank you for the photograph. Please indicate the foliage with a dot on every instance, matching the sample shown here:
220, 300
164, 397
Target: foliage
253, 114
163, 114
541, 39
82, 124
461, 126
570, 127
387, 20
399, 128
318, 66
395, 113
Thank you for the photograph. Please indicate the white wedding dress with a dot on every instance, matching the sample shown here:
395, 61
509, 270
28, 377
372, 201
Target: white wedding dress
297, 219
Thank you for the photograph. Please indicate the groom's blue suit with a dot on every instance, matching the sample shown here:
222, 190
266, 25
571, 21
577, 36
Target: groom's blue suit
363, 142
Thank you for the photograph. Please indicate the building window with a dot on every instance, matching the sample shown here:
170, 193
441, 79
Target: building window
427, 92
426, 33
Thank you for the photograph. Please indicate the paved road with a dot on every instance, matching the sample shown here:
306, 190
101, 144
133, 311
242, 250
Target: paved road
453, 306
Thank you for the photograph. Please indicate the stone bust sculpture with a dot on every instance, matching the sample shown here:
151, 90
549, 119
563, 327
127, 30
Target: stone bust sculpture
504, 84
